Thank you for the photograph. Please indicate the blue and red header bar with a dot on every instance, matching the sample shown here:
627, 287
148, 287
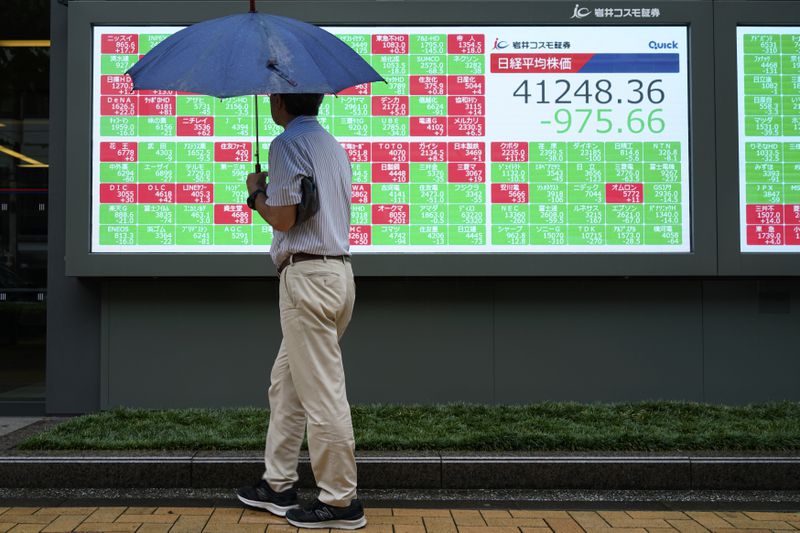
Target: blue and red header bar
584, 63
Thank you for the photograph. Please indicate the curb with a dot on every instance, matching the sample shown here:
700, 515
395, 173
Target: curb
408, 471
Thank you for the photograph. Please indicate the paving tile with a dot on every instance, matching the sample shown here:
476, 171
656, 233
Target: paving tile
147, 518
708, 520
772, 516
747, 523
468, 518
106, 526
621, 519
378, 511
41, 519
539, 514
397, 520
687, 526
64, 524
105, 514
401, 528
188, 524
85, 511
664, 515
444, 513
225, 516
487, 529
737, 530
495, 514
155, 528
281, 529
564, 525
4, 509
5, 526
370, 528
661, 530
198, 511
439, 524
20, 510
588, 519
250, 516
536, 530
616, 530
26, 528
516, 522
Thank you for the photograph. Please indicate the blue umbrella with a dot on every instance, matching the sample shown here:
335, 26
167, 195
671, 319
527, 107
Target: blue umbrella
252, 53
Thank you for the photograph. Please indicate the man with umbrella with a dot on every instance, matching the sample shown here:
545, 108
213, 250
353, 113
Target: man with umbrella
296, 63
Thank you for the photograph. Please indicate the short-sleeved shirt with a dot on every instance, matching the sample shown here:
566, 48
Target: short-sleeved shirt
306, 149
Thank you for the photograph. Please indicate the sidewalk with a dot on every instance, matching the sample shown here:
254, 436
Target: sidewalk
388, 520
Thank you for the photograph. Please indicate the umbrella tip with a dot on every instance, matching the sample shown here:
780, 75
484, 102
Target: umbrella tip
252, 6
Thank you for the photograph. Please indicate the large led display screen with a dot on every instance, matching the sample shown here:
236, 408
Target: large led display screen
484, 140
768, 76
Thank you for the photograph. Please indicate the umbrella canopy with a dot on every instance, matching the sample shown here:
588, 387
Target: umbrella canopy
252, 53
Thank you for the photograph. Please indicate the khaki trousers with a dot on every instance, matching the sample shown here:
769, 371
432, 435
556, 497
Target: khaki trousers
307, 383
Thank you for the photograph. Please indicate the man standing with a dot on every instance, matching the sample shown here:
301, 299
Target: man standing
317, 293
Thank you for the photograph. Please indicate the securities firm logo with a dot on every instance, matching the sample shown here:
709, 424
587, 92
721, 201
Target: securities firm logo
579, 12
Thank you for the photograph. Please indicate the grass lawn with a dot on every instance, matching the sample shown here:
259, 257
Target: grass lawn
648, 426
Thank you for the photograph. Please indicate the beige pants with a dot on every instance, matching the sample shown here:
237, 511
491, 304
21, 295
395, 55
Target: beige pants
307, 381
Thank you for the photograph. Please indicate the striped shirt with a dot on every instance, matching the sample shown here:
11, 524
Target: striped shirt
306, 149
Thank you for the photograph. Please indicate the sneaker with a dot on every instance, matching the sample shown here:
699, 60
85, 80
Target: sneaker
320, 515
261, 496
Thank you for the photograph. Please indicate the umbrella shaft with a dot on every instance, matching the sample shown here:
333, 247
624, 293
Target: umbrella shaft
252, 6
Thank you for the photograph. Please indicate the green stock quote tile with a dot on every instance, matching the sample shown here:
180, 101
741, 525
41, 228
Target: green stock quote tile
622, 214
466, 193
548, 214
155, 235
549, 235
394, 86
158, 172
790, 64
362, 173
548, 172
428, 172
148, 41
624, 172
117, 63
662, 152
791, 126
586, 235
428, 193
791, 193
118, 235
465, 64
351, 126
194, 235
762, 64
510, 172
117, 214
360, 215
390, 126
585, 173
268, 128
547, 152
510, 214
428, 105
762, 43
588, 193
156, 214
230, 193
428, 214
585, 152
195, 106
390, 64
508, 235
158, 152
790, 173
548, 193
238, 106
391, 235
764, 172
625, 234
762, 85
762, 105
233, 234
586, 214
428, 65
119, 172
234, 126
662, 172
756, 152
790, 85
390, 193
231, 172
669, 214
195, 172
624, 152
194, 214
433, 43
119, 126
157, 126
764, 194
466, 234
667, 234
790, 44
466, 214
662, 193
428, 234
196, 152
361, 43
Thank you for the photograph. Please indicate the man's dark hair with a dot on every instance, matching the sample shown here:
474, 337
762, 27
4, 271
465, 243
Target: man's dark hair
302, 103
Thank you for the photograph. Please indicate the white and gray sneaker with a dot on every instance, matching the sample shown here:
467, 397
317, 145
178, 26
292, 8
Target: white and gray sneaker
322, 516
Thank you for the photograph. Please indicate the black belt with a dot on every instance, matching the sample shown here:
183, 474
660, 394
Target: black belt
300, 257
